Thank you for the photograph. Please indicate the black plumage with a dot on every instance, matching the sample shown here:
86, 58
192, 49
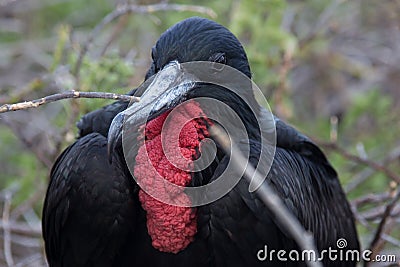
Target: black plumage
92, 215
89, 208
98, 121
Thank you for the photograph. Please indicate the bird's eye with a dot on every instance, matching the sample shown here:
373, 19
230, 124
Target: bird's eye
218, 58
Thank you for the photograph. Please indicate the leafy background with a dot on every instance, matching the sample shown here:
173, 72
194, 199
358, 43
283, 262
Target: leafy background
330, 68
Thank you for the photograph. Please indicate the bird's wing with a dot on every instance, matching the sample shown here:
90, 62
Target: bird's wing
325, 196
289, 138
89, 209
99, 120
238, 225
308, 188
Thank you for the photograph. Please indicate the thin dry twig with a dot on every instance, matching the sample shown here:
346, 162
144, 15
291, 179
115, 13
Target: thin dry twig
138, 9
373, 165
303, 238
371, 198
383, 222
28, 261
6, 229
118, 29
363, 176
60, 96
322, 20
43, 158
378, 212
21, 228
28, 203
359, 217
391, 240
287, 64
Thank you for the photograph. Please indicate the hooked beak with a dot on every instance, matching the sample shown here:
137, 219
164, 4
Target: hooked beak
163, 91
114, 137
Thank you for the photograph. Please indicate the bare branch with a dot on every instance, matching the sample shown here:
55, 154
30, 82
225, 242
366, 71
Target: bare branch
21, 228
287, 64
269, 197
70, 94
322, 20
364, 222
30, 260
383, 222
362, 176
29, 202
373, 165
45, 159
391, 240
371, 198
378, 212
138, 9
118, 29
6, 229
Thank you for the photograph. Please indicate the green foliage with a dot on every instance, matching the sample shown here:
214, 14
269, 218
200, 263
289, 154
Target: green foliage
370, 114
106, 73
9, 37
50, 13
23, 170
63, 33
264, 39
27, 180
110, 73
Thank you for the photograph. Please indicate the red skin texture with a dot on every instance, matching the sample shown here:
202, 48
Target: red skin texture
171, 228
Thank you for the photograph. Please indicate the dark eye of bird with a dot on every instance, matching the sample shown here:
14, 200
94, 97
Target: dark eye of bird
221, 58
218, 58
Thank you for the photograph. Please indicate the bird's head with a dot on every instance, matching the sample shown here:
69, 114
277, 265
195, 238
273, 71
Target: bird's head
198, 39
191, 40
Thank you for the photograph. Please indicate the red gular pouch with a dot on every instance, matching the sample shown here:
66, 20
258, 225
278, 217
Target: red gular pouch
170, 144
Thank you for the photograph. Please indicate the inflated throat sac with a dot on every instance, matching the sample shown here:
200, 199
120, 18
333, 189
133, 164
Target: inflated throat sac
172, 228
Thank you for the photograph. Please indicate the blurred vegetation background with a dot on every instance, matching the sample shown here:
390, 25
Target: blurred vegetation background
330, 68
